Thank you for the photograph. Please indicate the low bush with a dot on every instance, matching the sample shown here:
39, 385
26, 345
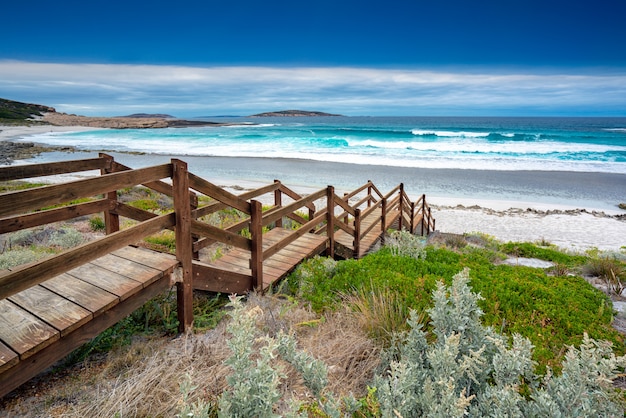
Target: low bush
550, 311
470, 370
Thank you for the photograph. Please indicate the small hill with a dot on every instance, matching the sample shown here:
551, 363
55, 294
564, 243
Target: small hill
10, 109
292, 113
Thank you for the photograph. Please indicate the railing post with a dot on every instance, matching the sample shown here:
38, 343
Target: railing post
357, 232
184, 247
330, 220
383, 221
429, 218
412, 226
424, 213
369, 193
111, 220
256, 258
278, 202
401, 203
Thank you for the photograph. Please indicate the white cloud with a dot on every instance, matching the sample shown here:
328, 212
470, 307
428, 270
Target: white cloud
99, 89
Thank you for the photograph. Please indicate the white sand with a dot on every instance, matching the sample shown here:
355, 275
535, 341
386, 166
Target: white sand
575, 232
17, 132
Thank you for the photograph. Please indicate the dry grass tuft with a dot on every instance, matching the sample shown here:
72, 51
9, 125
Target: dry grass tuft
144, 378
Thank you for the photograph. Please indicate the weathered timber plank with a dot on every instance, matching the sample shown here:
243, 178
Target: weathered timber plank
22, 331
57, 311
129, 268
41, 360
220, 235
217, 193
112, 282
24, 277
82, 293
8, 357
212, 279
32, 199
156, 260
53, 215
15, 172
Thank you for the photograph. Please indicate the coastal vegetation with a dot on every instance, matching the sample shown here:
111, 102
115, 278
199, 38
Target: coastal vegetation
12, 112
422, 327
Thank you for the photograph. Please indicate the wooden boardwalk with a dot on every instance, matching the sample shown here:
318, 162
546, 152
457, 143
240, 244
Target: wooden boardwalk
51, 307
45, 322
231, 272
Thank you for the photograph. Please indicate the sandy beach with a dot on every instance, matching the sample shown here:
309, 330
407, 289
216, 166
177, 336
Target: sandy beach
573, 210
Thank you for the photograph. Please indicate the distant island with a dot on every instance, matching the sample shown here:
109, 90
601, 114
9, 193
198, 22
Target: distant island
292, 113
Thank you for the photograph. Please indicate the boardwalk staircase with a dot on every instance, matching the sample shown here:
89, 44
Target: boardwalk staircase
50, 307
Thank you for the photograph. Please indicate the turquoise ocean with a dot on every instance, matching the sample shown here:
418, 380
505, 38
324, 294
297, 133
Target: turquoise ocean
575, 162
552, 144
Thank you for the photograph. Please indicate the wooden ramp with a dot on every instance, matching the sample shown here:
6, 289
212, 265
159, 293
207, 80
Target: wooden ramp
46, 322
231, 272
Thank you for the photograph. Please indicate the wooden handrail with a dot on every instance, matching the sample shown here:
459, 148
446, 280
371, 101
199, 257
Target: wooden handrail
22, 278
205, 187
272, 216
353, 193
17, 172
392, 192
15, 223
32, 199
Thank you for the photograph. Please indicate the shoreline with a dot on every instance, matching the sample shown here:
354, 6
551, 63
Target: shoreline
573, 210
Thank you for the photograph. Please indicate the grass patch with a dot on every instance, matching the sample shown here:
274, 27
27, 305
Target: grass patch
552, 312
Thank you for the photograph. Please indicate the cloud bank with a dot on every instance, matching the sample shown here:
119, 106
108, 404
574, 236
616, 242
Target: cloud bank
184, 91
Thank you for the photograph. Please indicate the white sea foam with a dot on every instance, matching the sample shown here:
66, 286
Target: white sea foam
428, 148
450, 134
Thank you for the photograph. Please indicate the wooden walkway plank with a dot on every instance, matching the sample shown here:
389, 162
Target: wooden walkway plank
23, 332
8, 357
57, 311
114, 283
160, 261
82, 293
129, 268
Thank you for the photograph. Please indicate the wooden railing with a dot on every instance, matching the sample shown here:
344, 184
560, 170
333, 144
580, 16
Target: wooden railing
360, 213
366, 209
25, 209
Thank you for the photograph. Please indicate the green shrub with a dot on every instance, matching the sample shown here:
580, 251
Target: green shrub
518, 299
97, 224
526, 249
164, 241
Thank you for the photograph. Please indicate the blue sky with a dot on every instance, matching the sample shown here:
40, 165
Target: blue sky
412, 57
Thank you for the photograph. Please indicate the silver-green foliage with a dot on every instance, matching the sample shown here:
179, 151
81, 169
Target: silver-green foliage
307, 272
17, 257
469, 370
254, 383
405, 244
